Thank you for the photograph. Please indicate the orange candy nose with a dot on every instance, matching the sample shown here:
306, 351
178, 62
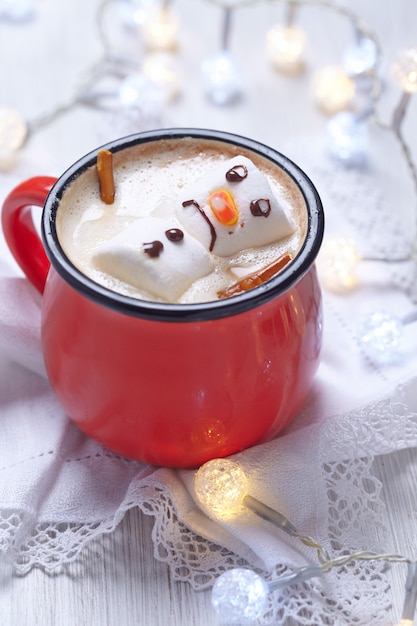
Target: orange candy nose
223, 206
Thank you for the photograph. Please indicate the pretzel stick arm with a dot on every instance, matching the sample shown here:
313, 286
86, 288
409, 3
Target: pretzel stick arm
257, 278
105, 176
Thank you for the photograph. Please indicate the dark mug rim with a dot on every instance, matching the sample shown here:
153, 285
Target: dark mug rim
201, 311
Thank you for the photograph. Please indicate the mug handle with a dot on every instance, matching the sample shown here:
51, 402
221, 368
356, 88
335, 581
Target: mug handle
20, 232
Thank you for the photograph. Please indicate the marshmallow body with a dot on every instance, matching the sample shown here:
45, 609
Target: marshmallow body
155, 255
233, 208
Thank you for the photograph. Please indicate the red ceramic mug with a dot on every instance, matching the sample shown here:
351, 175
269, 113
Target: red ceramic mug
172, 384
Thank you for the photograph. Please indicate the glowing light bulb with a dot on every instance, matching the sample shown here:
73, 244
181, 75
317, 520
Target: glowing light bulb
141, 10
380, 336
138, 90
333, 89
222, 78
239, 596
337, 264
17, 10
13, 131
361, 57
347, 139
160, 30
161, 68
285, 47
221, 486
404, 70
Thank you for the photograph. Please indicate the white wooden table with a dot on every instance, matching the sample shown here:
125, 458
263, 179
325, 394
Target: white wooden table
117, 580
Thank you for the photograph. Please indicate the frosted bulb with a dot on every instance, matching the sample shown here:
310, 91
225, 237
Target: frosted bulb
239, 596
17, 10
13, 131
347, 139
380, 336
141, 9
333, 89
285, 47
337, 264
220, 486
404, 70
221, 78
137, 90
361, 58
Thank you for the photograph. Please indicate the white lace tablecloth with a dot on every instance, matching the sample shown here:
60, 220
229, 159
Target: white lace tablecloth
60, 490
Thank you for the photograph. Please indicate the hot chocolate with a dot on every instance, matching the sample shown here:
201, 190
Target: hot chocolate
189, 218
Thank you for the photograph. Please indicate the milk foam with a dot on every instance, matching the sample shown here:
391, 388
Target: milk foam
149, 178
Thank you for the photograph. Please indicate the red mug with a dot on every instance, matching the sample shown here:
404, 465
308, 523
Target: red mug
172, 384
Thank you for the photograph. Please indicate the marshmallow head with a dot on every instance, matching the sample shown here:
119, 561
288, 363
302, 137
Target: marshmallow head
154, 255
233, 208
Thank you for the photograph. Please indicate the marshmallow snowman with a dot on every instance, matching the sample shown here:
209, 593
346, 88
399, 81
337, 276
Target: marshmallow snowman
153, 254
232, 208
228, 210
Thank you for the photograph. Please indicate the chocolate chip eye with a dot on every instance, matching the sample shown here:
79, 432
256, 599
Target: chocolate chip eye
236, 174
260, 208
153, 248
174, 234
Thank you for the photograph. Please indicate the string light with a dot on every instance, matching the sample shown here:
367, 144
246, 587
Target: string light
337, 263
222, 79
162, 69
17, 10
13, 132
160, 29
285, 47
240, 595
410, 599
381, 334
138, 89
404, 70
333, 90
404, 73
221, 487
139, 10
348, 139
285, 44
361, 57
